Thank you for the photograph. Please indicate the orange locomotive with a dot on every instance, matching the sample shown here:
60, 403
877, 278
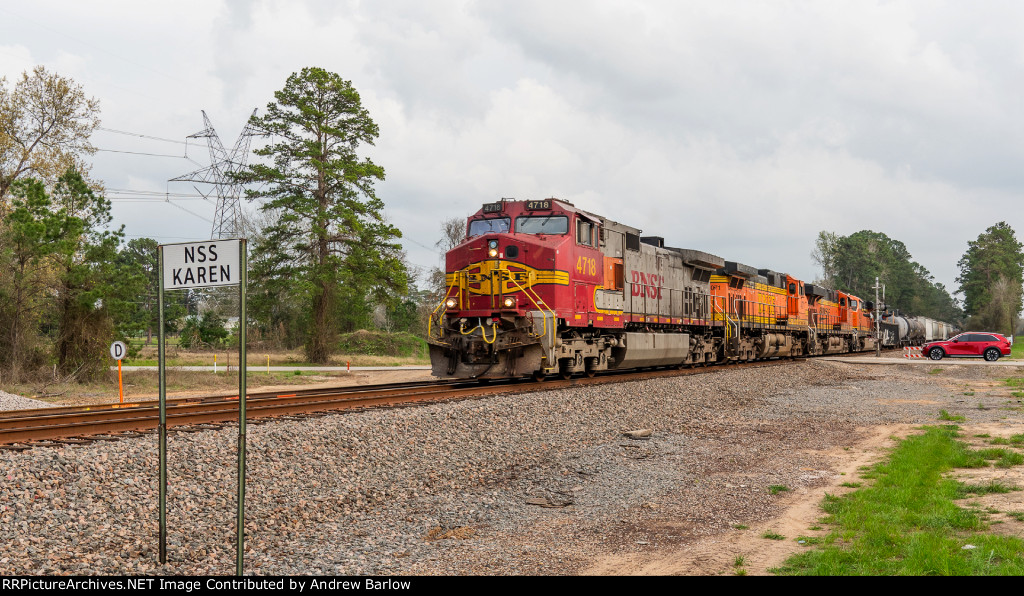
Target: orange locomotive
542, 287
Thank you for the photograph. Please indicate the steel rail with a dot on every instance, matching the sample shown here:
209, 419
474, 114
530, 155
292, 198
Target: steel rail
29, 426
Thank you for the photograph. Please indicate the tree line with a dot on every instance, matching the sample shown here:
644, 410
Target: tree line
991, 277
323, 259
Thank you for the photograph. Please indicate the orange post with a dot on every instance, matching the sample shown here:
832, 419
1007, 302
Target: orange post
120, 385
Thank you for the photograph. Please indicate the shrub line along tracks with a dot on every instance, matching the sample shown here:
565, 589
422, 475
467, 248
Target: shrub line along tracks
23, 429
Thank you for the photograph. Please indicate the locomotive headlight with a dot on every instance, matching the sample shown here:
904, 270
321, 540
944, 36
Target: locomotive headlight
509, 302
492, 244
450, 303
492, 252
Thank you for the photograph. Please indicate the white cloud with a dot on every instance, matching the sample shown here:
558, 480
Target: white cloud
738, 127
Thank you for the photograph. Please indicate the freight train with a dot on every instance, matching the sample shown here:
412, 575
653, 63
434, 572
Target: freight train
897, 330
542, 287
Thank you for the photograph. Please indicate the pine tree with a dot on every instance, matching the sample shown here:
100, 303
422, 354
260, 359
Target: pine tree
330, 243
991, 274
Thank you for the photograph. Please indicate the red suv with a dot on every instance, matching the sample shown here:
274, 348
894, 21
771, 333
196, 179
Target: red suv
990, 346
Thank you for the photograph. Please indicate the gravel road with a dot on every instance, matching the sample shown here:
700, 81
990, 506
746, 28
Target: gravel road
538, 483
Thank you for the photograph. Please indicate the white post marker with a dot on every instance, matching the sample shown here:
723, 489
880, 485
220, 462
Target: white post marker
118, 351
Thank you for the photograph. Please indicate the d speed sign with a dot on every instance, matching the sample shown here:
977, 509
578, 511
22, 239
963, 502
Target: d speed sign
118, 350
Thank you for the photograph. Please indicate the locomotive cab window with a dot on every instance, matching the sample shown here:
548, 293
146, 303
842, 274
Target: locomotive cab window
494, 225
586, 233
550, 224
792, 289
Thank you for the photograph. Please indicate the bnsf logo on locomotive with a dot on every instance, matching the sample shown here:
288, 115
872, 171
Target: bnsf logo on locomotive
484, 277
647, 283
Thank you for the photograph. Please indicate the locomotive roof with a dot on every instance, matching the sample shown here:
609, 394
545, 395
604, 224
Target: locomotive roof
567, 207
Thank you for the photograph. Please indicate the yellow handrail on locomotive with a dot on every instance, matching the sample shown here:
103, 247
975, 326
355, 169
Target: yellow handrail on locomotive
447, 294
460, 277
539, 305
728, 322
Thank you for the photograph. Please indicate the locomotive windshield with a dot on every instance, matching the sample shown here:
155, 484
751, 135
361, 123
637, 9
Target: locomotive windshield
547, 224
478, 227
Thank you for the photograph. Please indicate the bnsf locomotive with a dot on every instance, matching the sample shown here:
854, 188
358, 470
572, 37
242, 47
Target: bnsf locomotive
542, 287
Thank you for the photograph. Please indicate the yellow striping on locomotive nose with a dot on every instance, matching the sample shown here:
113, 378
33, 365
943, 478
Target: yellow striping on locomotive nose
490, 277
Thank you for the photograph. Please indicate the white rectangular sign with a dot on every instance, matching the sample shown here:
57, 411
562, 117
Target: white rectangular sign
202, 264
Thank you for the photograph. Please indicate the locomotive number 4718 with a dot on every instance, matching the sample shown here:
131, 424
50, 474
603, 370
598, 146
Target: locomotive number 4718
585, 266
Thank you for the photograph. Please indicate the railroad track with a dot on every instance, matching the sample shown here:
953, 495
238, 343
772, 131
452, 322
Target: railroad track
23, 429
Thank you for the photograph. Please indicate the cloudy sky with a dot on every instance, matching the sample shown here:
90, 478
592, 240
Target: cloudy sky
738, 128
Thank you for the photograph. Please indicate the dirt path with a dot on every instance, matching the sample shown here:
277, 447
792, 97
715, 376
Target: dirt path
719, 554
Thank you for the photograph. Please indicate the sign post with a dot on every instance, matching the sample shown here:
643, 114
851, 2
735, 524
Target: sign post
213, 263
117, 352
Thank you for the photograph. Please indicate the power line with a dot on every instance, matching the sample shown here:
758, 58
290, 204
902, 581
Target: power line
140, 153
189, 212
154, 193
135, 134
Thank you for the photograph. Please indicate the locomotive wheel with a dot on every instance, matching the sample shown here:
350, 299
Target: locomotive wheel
591, 373
539, 376
565, 375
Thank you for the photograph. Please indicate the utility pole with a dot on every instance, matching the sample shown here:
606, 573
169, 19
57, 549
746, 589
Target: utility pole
878, 319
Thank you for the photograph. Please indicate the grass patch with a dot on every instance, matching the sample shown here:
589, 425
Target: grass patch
906, 522
1017, 348
963, 490
944, 415
772, 535
777, 488
935, 371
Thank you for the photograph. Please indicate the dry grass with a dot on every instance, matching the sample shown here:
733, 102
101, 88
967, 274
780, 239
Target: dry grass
256, 358
143, 385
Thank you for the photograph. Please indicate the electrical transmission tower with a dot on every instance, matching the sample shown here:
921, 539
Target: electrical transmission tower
228, 222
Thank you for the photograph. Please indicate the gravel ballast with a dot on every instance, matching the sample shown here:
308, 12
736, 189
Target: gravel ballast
537, 483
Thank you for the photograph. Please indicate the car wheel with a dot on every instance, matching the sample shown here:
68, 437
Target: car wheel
991, 354
935, 353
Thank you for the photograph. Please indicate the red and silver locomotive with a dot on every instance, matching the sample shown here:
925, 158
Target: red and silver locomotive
542, 287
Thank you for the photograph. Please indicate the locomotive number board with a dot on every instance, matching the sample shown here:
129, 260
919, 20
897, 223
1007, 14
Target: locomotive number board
544, 205
494, 207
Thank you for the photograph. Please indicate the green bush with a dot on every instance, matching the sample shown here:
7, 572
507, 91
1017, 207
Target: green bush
209, 331
380, 343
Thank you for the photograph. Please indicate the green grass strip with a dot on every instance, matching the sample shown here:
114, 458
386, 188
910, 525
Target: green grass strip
907, 523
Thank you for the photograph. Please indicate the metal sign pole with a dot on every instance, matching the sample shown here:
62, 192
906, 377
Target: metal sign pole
203, 265
241, 408
163, 414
